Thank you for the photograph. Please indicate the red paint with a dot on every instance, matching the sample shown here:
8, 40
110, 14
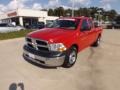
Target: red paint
69, 37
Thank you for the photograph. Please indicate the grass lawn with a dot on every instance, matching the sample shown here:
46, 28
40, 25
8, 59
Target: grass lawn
16, 34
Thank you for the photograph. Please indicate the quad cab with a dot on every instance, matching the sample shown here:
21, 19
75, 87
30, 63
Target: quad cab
59, 43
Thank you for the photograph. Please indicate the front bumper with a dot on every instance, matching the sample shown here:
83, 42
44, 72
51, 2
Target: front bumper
50, 59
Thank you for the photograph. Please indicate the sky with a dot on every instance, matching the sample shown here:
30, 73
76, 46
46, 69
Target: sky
6, 5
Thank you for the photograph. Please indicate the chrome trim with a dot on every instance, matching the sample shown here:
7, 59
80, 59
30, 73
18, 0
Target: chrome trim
35, 44
38, 39
58, 61
42, 46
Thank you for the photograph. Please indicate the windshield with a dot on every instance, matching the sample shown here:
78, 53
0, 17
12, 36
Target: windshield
68, 24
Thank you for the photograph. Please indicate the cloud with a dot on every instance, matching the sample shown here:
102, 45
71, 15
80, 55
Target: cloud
82, 2
108, 1
107, 4
14, 4
66, 7
2, 8
107, 7
58, 3
17, 4
37, 6
53, 4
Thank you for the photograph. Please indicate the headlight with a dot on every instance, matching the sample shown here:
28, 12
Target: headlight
57, 47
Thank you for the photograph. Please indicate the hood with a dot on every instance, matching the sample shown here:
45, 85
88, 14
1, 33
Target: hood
52, 34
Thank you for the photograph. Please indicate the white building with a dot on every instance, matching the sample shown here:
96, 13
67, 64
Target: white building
25, 17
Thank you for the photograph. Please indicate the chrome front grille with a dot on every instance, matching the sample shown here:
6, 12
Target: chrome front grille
37, 44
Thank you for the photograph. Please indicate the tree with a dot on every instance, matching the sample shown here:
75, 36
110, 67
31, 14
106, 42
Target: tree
51, 12
93, 11
59, 11
111, 14
68, 11
89, 12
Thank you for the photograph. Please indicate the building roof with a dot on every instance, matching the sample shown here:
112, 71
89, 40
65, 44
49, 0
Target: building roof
24, 13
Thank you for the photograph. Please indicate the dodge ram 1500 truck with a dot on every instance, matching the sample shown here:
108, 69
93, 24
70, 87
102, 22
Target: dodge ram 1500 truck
59, 42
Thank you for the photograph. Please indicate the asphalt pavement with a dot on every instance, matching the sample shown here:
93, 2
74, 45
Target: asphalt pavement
95, 69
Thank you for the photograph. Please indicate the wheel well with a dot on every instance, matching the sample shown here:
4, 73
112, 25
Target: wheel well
99, 35
76, 46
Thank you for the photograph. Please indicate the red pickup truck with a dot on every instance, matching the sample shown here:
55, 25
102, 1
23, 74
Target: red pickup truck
59, 42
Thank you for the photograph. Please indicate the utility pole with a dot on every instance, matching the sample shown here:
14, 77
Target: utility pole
73, 6
99, 13
99, 16
16, 2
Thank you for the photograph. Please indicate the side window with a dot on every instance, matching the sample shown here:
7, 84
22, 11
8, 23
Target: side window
90, 23
85, 25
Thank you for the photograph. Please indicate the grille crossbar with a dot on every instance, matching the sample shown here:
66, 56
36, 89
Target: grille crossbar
37, 44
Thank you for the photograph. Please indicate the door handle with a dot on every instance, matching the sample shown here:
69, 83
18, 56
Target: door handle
83, 38
83, 34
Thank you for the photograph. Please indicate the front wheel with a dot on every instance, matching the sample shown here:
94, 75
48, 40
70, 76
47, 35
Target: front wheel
70, 58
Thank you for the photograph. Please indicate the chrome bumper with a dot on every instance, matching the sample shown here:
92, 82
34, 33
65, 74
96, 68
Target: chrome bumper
57, 61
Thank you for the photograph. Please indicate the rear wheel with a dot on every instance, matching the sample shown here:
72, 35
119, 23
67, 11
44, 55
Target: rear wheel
70, 58
97, 42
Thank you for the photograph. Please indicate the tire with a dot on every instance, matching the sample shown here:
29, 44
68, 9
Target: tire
97, 42
70, 58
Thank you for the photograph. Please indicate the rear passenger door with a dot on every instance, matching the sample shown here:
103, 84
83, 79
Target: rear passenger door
92, 33
84, 33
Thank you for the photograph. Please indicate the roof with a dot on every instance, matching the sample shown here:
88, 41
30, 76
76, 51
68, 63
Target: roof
24, 12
